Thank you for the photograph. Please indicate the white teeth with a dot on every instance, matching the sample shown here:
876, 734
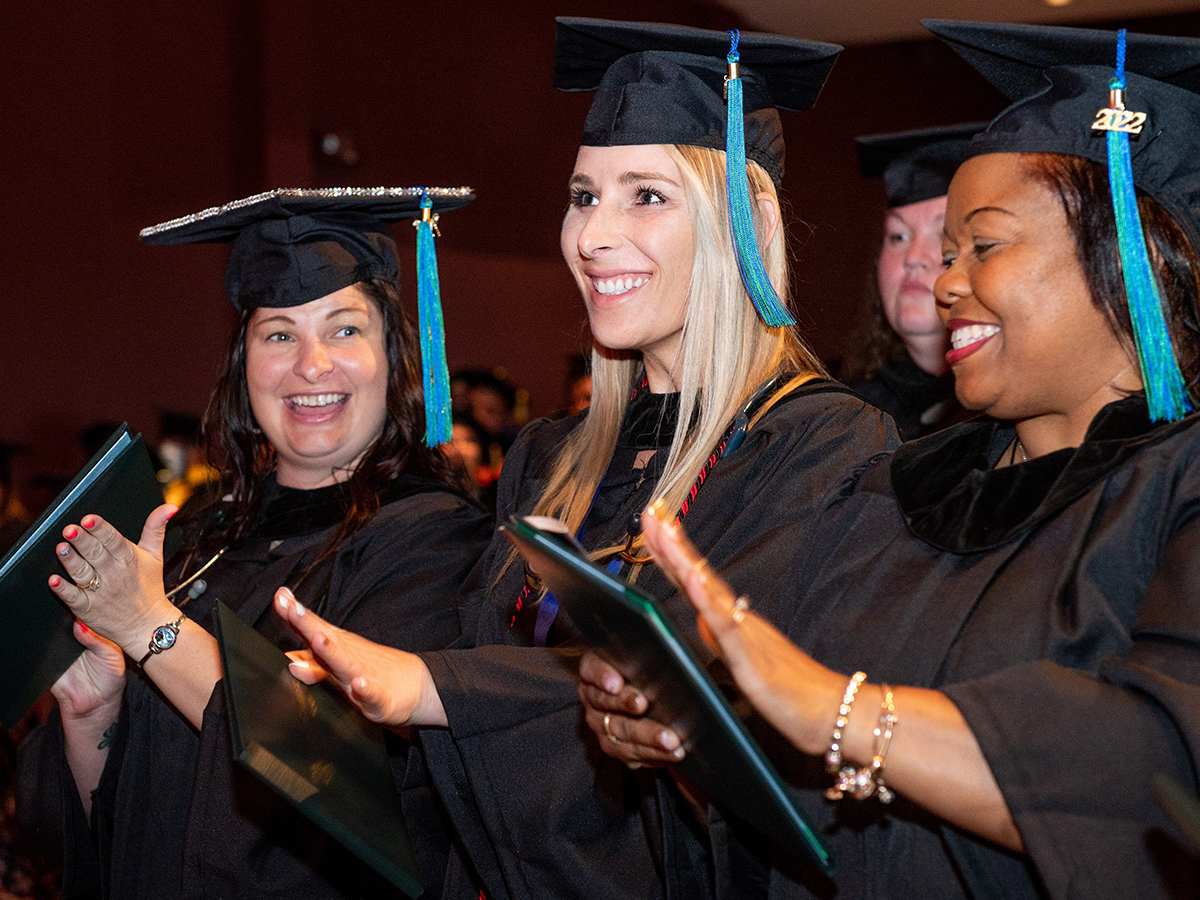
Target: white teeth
970, 334
316, 399
619, 284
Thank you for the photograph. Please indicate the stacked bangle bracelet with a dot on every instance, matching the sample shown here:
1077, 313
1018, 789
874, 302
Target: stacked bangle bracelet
866, 781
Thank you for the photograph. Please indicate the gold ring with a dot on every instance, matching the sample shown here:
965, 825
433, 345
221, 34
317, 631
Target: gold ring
741, 606
91, 585
612, 737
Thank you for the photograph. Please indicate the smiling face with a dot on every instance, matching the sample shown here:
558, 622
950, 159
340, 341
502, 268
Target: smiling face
1027, 342
317, 377
909, 263
628, 240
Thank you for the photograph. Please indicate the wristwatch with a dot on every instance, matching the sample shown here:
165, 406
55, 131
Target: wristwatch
162, 639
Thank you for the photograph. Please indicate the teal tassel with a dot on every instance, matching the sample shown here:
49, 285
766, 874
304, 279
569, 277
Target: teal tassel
1166, 391
741, 224
433, 332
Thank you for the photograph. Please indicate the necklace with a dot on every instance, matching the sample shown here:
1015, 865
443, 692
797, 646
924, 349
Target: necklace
1017, 447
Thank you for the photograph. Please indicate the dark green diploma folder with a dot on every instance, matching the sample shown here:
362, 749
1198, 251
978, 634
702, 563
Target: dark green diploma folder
629, 629
317, 751
36, 643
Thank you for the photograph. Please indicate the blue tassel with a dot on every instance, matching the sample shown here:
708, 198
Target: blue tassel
1166, 391
741, 224
433, 332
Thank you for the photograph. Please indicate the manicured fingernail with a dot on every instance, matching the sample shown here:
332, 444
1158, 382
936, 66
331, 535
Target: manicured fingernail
300, 610
678, 754
640, 703
668, 740
83, 627
64, 550
55, 581
612, 684
88, 522
71, 533
282, 601
299, 664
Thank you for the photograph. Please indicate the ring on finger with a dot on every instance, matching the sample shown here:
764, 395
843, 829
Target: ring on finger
608, 733
741, 606
91, 585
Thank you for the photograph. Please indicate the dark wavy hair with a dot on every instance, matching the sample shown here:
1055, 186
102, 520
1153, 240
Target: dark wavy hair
244, 457
1082, 186
874, 345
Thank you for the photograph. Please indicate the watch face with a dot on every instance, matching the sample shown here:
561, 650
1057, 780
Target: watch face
164, 637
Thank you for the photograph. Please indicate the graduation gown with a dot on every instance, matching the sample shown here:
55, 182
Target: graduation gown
541, 811
919, 403
1056, 603
174, 816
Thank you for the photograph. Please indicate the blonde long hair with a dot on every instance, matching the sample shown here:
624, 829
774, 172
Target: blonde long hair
725, 352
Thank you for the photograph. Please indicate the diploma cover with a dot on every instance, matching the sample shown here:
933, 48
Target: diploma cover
316, 750
628, 628
36, 643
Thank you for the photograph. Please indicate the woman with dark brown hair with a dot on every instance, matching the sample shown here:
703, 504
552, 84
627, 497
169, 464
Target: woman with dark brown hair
898, 359
326, 485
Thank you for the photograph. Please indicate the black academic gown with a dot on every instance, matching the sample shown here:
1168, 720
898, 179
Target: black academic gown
542, 812
174, 816
1056, 603
919, 403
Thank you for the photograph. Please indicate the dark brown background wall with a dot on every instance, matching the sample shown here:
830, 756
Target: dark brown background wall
117, 116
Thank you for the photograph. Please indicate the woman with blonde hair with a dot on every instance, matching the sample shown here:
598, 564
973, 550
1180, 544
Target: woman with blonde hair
704, 397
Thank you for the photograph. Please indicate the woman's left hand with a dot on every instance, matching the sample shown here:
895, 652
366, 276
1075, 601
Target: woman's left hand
615, 711
115, 586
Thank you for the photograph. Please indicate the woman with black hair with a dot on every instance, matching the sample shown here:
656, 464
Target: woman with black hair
326, 485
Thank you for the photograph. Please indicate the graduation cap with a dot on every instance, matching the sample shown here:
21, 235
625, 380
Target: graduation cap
1129, 101
295, 245
915, 165
671, 84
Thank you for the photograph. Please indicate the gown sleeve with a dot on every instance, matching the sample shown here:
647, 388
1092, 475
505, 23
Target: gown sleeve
1074, 753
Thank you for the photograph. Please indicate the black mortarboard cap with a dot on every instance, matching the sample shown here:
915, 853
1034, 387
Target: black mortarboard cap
1130, 102
1059, 78
915, 165
292, 246
664, 84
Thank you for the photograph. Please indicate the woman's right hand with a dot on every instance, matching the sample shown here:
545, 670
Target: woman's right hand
388, 685
615, 711
94, 683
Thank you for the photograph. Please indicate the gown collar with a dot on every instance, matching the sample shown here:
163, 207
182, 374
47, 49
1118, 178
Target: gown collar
952, 496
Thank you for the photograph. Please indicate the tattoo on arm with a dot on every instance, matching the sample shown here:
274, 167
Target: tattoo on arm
107, 739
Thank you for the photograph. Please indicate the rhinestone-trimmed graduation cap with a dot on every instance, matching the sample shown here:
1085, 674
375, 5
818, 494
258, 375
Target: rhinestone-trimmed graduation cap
1128, 101
915, 165
664, 84
295, 245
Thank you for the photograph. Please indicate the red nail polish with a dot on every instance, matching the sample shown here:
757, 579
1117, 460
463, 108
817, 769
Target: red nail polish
83, 627
71, 533
89, 522
55, 581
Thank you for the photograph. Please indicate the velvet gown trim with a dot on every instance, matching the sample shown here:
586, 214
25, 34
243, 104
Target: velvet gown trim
953, 498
